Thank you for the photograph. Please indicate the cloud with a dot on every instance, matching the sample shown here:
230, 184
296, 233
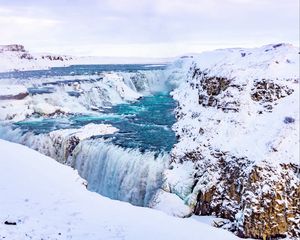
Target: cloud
17, 27
146, 27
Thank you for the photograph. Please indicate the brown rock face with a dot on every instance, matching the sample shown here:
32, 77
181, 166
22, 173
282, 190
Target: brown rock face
261, 201
223, 199
211, 88
275, 211
14, 97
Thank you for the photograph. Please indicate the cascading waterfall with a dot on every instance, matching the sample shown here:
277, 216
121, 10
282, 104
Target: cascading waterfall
118, 173
112, 168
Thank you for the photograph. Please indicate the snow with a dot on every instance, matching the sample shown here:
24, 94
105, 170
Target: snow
270, 61
85, 132
12, 89
16, 58
179, 179
245, 133
47, 200
170, 204
45, 108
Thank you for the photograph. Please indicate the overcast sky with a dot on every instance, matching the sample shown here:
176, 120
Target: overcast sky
146, 28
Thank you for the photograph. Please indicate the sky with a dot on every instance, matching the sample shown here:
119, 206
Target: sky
146, 28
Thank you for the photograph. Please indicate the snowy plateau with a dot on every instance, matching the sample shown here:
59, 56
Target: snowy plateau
225, 166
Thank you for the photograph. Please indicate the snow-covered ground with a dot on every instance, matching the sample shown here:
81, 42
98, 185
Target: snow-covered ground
46, 200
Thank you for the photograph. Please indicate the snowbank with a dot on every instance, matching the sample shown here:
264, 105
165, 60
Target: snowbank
85, 132
12, 90
47, 200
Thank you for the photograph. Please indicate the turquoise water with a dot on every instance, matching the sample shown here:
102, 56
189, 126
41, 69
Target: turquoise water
144, 124
82, 70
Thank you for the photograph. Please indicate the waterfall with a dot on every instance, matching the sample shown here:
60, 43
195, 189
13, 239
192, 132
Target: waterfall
112, 171
146, 82
118, 173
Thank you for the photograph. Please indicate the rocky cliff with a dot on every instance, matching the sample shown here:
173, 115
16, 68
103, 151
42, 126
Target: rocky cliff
238, 129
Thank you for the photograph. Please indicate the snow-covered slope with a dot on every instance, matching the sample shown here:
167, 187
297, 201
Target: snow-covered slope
238, 129
16, 58
42, 199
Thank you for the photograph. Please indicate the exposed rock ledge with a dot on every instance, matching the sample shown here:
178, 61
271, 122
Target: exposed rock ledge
12, 92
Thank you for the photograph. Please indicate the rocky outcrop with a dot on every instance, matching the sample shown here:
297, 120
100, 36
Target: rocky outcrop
16, 49
211, 87
271, 202
26, 56
12, 48
56, 57
18, 96
266, 92
261, 201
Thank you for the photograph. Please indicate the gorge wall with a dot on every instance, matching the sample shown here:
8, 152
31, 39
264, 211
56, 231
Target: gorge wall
238, 130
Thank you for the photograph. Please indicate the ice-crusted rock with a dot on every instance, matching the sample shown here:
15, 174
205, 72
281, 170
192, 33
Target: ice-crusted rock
238, 126
65, 141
